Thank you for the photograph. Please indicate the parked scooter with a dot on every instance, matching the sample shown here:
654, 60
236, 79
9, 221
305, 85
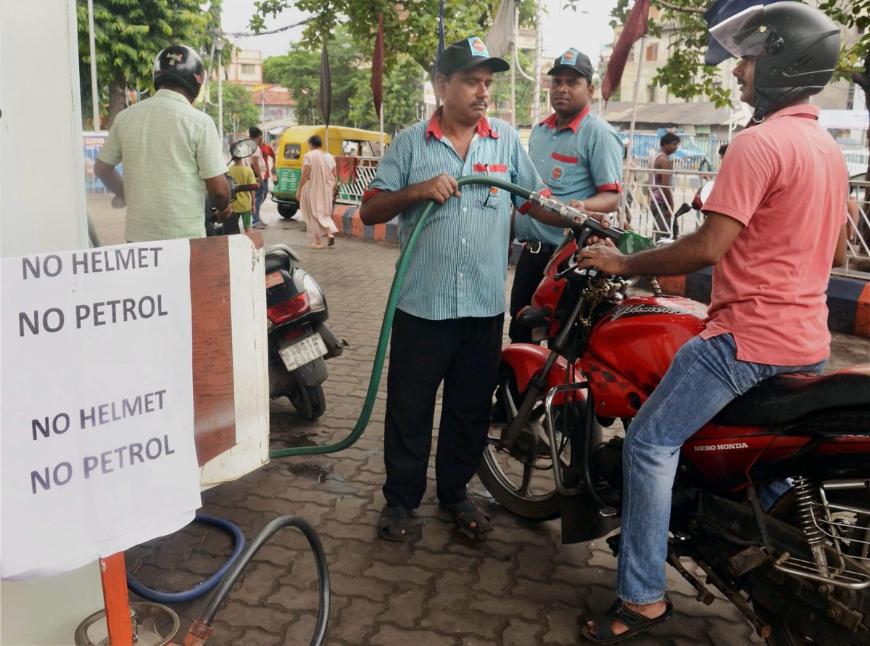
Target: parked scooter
296, 311
299, 339
799, 571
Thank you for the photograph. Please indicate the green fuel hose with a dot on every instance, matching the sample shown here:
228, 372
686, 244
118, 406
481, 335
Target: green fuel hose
387, 325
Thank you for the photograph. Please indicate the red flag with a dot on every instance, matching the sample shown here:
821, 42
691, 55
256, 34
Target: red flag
378, 67
635, 27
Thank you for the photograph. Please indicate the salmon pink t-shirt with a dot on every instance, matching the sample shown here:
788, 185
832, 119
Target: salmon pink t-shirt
786, 181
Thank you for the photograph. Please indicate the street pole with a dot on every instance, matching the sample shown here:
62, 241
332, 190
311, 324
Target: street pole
513, 46
382, 129
95, 91
539, 45
628, 158
219, 48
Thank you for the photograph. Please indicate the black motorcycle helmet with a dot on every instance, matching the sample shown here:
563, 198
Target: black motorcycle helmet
180, 65
795, 48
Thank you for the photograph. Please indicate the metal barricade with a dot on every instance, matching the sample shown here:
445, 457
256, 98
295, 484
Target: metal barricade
858, 243
364, 173
643, 208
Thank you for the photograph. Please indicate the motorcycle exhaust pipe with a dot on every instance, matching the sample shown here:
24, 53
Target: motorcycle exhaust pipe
334, 345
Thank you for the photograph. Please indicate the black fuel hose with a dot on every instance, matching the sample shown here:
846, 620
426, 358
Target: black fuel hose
272, 528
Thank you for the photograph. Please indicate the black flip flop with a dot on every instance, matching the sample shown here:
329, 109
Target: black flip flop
635, 622
469, 520
395, 524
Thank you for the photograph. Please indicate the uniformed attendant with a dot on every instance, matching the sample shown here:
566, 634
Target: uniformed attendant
579, 157
449, 322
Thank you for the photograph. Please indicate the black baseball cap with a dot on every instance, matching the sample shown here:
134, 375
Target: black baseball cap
467, 53
576, 60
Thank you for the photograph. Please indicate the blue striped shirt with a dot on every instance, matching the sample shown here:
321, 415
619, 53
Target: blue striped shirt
460, 264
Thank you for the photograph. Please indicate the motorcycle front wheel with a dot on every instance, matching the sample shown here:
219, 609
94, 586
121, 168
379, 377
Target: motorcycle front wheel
521, 480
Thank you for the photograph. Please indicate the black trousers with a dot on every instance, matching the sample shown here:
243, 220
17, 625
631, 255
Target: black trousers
464, 354
527, 276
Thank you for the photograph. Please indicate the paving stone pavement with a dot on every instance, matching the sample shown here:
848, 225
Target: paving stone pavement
521, 587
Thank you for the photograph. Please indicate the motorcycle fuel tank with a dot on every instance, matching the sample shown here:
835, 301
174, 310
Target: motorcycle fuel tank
631, 348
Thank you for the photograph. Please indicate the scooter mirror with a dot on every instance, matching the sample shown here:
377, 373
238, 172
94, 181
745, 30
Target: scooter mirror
705, 191
243, 148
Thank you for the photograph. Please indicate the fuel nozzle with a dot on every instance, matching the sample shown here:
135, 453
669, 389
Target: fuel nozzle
571, 215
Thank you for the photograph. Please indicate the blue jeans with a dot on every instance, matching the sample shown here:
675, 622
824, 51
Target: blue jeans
704, 377
259, 198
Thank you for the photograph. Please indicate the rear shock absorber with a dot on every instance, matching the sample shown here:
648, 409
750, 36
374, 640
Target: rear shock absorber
806, 498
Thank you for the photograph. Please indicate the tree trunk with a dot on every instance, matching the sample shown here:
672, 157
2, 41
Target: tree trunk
117, 100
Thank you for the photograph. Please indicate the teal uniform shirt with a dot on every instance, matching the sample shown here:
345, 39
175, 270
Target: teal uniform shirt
576, 162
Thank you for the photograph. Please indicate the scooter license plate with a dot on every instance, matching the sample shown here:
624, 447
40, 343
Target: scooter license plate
301, 352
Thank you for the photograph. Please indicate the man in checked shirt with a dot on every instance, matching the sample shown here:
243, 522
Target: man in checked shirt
449, 322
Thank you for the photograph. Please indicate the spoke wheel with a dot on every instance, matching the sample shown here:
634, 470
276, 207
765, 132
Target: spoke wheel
522, 480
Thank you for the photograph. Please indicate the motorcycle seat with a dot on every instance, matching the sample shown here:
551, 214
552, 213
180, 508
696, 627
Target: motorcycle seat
278, 257
788, 398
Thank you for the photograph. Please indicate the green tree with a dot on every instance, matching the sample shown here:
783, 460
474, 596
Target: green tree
410, 27
686, 76
240, 111
128, 35
403, 95
299, 71
525, 89
855, 60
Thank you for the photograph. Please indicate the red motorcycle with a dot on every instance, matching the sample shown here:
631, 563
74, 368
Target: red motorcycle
799, 570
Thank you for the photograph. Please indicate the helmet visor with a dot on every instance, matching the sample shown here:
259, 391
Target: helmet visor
743, 34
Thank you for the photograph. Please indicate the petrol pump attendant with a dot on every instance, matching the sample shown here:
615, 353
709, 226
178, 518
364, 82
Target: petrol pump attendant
449, 322
775, 224
579, 157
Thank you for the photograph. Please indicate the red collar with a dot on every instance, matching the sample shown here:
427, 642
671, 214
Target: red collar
552, 120
433, 128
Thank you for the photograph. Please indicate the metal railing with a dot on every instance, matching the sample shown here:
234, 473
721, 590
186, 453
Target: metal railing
364, 172
643, 210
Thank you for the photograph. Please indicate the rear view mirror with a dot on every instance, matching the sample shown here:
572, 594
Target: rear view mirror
243, 148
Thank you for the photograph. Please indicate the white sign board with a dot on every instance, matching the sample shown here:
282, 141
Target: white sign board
97, 404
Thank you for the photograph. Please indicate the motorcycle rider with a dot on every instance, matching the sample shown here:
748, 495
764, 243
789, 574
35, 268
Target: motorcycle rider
171, 153
775, 224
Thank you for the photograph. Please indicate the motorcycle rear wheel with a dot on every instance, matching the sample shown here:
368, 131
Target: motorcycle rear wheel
521, 481
309, 401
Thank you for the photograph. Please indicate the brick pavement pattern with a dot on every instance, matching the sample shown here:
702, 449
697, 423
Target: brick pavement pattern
521, 587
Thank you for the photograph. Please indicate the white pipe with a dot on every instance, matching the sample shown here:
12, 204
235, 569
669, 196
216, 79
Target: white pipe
628, 158
513, 47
